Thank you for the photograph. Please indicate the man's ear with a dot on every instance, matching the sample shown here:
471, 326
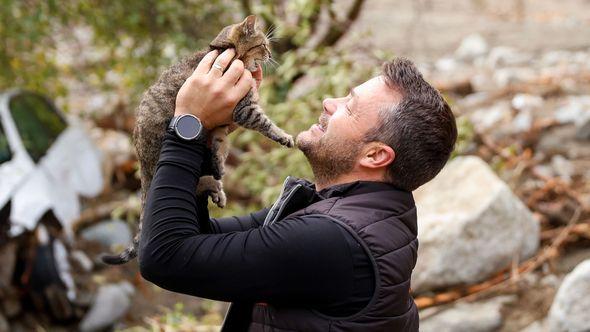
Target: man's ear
249, 25
223, 39
377, 155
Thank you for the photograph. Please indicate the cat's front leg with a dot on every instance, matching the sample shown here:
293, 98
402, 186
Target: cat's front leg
213, 188
253, 117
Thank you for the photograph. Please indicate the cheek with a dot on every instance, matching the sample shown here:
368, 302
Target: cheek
338, 122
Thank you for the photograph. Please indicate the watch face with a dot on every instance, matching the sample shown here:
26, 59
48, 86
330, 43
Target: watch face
188, 127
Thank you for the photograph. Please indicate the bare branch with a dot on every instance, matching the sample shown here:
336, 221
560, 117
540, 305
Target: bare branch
246, 6
337, 28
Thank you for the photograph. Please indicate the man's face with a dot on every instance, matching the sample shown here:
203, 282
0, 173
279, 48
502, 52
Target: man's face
334, 145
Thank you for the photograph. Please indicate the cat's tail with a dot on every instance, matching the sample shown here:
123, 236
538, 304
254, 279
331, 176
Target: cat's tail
124, 257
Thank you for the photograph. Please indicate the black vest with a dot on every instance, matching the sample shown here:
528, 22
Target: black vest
383, 220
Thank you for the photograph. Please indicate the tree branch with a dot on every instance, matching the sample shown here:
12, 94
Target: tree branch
338, 28
246, 6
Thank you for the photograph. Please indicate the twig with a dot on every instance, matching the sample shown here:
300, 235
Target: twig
95, 213
338, 28
580, 229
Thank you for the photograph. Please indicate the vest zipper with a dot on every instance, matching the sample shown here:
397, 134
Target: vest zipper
280, 205
284, 203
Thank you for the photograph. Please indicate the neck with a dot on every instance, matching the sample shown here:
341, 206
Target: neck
347, 178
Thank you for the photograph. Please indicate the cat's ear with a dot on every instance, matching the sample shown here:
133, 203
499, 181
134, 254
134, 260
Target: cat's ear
249, 25
223, 39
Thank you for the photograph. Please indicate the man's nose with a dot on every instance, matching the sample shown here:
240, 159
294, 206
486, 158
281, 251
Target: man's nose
329, 106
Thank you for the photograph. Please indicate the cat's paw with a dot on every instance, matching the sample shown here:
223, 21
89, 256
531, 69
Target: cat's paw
219, 198
287, 141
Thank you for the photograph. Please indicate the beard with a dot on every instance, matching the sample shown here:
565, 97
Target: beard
329, 157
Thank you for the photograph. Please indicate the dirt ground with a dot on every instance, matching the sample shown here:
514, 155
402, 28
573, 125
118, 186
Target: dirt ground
425, 30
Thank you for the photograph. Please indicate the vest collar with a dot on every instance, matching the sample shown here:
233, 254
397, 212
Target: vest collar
299, 193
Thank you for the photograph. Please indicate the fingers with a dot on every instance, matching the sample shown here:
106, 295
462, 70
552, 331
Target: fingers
221, 63
233, 73
243, 85
205, 65
258, 75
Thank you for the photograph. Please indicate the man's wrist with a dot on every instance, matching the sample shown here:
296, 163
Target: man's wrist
204, 122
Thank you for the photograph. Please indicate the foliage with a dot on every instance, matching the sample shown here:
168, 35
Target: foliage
118, 47
179, 320
465, 137
106, 45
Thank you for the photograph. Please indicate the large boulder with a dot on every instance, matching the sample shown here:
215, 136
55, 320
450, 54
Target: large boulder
482, 316
470, 225
571, 307
110, 233
111, 303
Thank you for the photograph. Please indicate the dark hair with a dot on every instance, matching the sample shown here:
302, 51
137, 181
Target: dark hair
421, 129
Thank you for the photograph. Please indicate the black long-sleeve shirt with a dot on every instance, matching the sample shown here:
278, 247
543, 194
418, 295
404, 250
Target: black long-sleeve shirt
302, 261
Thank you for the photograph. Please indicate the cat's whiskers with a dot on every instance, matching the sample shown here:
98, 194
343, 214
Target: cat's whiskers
273, 62
271, 30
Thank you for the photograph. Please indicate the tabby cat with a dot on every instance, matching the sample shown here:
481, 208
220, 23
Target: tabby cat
157, 108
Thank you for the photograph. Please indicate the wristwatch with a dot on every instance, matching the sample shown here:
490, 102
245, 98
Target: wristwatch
187, 127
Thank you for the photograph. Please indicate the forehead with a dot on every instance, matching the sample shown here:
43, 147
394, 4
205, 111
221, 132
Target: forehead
374, 93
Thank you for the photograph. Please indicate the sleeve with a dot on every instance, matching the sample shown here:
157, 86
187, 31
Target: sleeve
302, 260
239, 223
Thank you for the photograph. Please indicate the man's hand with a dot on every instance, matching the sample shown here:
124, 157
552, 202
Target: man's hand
210, 94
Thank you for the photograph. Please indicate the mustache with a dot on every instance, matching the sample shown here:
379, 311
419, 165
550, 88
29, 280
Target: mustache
323, 121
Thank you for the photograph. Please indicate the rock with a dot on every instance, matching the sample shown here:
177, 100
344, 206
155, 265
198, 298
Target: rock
553, 58
573, 108
502, 56
111, 303
571, 306
468, 317
471, 47
522, 122
488, 118
470, 225
505, 77
109, 233
538, 326
527, 102
583, 126
562, 168
82, 260
551, 281
561, 140
446, 64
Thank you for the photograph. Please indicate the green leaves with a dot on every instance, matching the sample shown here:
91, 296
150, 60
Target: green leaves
116, 49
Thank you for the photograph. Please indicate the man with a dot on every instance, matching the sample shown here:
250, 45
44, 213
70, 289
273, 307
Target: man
335, 255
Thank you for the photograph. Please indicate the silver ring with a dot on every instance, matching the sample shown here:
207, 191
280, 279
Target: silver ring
219, 67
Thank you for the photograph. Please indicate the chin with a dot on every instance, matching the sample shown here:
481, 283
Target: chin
304, 139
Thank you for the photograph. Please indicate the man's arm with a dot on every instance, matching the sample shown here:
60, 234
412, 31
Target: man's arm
295, 261
239, 223
226, 224
229, 224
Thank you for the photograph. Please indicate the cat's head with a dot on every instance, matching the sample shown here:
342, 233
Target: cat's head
249, 41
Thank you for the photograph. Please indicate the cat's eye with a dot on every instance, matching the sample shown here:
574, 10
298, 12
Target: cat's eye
253, 47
